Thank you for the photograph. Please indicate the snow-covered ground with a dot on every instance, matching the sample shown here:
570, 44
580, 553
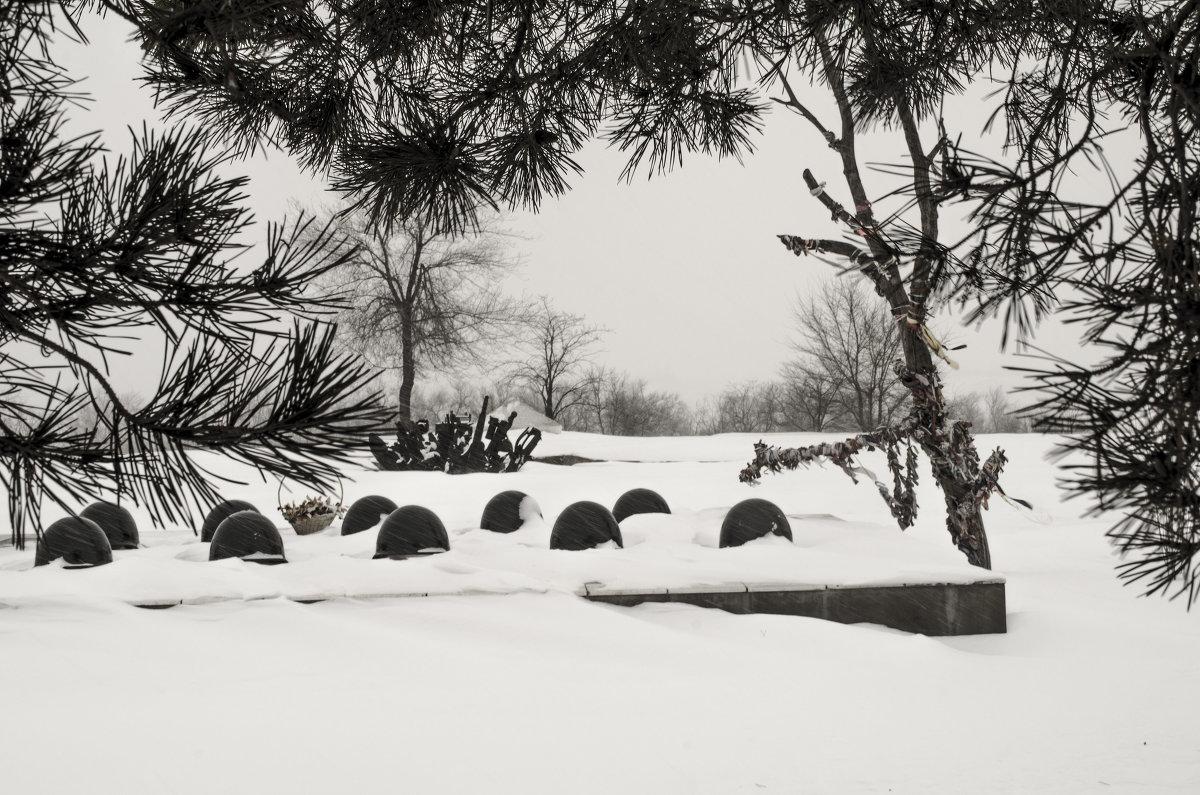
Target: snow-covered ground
503, 680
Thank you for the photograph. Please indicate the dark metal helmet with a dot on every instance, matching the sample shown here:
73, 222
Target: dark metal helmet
508, 510
751, 519
79, 542
639, 501
584, 525
365, 513
247, 535
116, 522
218, 515
409, 531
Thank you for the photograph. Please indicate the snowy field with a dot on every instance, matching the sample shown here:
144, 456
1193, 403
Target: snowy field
502, 680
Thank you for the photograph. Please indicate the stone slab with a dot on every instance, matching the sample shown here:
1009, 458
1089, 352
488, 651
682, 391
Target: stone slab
927, 609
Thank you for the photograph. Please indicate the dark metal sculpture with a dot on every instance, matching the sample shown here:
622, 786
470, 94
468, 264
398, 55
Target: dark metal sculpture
457, 445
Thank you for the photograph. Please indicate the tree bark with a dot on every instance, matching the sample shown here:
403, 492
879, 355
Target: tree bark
971, 536
964, 515
548, 399
408, 372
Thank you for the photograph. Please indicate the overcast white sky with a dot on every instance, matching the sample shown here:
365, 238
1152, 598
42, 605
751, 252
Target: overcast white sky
684, 269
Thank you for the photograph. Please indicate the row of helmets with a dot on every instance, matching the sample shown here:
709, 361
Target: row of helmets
235, 528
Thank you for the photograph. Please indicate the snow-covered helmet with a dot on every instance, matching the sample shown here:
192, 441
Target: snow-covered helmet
409, 531
218, 515
79, 542
508, 510
639, 501
751, 519
116, 522
247, 535
584, 525
365, 513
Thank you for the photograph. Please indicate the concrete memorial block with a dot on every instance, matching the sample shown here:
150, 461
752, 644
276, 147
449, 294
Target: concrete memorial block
365, 513
247, 535
79, 542
751, 519
219, 513
639, 501
927, 608
410, 531
116, 522
508, 510
584, 525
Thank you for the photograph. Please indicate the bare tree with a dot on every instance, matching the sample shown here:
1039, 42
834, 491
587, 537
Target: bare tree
418, 298
967, 407
705, 418
618, 404
747, 407
1002, 416
738, 410
848, 339
554, 364
811, 396
988, 412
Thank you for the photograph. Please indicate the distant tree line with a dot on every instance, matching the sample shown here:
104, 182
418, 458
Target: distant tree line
838, 381
622, 404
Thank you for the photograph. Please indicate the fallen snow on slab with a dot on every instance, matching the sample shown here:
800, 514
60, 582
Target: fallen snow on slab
510, 683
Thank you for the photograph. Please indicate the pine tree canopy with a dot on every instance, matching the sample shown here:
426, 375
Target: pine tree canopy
440, 107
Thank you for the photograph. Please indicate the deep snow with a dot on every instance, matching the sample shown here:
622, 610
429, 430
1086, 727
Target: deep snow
520, 686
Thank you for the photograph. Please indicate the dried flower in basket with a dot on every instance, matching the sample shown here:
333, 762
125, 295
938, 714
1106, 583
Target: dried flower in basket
309, 507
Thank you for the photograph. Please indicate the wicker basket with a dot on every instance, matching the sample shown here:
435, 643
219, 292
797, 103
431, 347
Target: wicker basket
313, 523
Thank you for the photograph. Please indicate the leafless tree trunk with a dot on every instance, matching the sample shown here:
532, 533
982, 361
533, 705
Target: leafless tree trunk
420, 299
554, 362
